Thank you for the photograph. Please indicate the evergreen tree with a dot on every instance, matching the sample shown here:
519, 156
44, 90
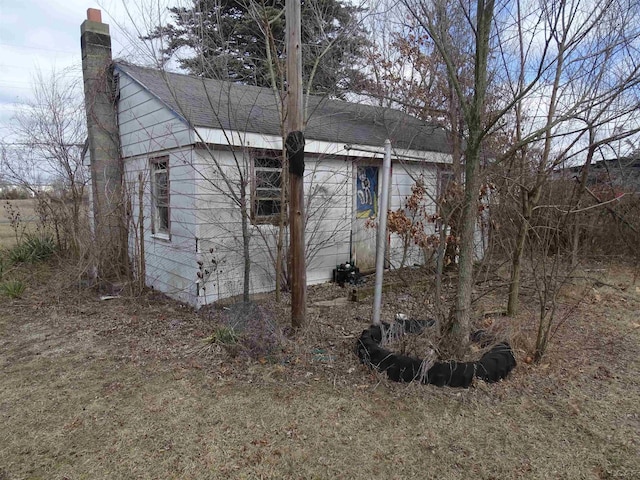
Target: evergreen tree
228, 39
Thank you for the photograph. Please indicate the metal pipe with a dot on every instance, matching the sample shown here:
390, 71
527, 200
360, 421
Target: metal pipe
381, 241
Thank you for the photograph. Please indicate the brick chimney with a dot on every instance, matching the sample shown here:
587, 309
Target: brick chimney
106, 165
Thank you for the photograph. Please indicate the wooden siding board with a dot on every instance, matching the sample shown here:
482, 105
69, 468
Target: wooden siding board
219, 226
145, 124
170, 263
403, 178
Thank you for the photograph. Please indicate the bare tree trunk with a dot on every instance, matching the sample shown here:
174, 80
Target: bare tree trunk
245, 243
442, 243
142, 269
579, 192
531, 199
513, 303
459, 326
516, 266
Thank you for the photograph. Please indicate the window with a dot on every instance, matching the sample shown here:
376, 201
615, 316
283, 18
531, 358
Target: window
160, 195
267, 187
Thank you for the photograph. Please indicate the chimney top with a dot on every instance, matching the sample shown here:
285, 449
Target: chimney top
94, 15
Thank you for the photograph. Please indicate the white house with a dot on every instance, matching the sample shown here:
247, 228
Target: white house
192, 143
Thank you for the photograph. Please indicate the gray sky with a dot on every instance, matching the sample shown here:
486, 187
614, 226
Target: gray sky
45, 35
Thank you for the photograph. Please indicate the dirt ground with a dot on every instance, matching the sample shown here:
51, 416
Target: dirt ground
131, 388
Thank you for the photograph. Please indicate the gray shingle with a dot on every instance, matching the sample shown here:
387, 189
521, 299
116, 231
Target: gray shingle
217, 104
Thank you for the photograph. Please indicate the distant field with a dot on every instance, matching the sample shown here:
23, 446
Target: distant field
27, 215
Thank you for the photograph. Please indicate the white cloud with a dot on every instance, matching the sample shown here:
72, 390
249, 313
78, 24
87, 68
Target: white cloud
44, 35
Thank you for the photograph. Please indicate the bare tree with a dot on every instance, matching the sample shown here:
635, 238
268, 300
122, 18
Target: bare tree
478, 19
588, 82
46, 146
538, 71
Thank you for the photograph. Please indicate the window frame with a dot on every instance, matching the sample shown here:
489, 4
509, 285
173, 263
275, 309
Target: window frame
155, 168
256, 170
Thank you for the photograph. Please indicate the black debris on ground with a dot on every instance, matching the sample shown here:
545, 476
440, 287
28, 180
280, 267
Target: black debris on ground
493, 366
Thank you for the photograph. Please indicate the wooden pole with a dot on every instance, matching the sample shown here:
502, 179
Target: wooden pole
295, 145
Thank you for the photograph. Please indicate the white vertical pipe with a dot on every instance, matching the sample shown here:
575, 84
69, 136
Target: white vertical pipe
354, 211
381, 241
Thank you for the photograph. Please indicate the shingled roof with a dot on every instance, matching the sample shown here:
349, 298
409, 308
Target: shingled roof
232, 106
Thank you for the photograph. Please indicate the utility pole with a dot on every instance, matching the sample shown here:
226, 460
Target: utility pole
295, 153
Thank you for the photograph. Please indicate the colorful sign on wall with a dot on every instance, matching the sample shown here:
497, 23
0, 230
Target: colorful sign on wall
367, 192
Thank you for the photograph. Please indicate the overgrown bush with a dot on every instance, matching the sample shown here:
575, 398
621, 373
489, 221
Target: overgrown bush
606, 220
14, 194
261, 338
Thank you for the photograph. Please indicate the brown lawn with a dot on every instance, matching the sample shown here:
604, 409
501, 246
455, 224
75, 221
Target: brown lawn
129, 388
28, 216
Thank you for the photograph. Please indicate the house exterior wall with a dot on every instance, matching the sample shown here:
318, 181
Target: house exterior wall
205, 223
403, 177
170, 260
205, 217
328, 193
145, 123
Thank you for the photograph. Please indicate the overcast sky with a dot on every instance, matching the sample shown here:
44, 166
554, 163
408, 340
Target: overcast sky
45, 35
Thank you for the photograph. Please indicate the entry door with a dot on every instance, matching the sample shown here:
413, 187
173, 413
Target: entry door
365, 216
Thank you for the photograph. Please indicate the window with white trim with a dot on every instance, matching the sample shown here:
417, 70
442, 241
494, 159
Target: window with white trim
160, 218
266, 202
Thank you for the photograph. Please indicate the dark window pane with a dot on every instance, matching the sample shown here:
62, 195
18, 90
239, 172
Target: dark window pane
163, 218
268, 207
160, 195
162, 179
267, 184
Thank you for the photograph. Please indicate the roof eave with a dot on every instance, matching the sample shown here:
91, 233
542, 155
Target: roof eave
319, 147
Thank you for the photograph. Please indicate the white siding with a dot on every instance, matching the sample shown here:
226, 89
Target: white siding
218, 216
205, 215
403, 177
206, 222
329, 204
170, 261
146, 124
328, 193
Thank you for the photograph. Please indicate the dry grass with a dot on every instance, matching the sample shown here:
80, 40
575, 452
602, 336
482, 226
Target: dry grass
27, 211
127, 388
